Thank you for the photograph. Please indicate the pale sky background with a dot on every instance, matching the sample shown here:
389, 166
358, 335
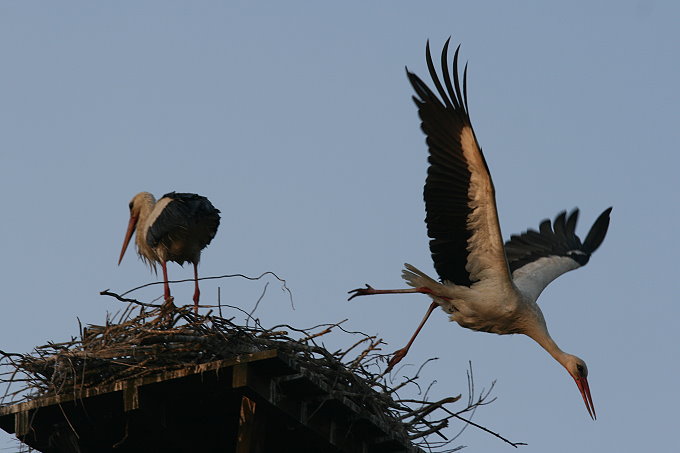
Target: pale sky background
295, 119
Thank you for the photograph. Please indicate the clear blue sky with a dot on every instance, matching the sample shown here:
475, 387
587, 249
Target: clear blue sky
295, 119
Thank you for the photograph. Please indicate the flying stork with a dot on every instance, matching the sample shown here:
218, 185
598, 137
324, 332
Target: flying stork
175, 228
485, 285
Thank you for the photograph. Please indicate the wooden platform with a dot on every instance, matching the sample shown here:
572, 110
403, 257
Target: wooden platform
253, 403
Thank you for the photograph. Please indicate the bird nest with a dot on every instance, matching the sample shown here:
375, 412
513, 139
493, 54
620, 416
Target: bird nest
144, 339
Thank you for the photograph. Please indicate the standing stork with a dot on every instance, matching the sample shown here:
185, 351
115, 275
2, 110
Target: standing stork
175, 228
485, 285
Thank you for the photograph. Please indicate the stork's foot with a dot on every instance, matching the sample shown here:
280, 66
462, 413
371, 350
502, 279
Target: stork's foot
168, 306
362, 292
396, 358
169, 302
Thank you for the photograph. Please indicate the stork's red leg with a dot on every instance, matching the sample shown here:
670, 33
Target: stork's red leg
197, 292
166, 286
369, 290
400, 354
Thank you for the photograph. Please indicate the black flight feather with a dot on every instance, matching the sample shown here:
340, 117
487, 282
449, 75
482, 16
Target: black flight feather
558, 239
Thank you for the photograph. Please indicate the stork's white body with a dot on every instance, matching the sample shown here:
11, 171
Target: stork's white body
494, 306
486, 284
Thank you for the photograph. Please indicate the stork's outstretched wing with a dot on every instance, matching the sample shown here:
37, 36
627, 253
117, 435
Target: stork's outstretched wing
536, 258
462, 221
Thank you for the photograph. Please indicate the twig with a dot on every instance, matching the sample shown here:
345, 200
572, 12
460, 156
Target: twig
283, 281
257, 303
106, 292
487, 430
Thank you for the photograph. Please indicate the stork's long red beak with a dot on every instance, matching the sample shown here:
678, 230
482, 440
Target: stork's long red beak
582, 384
128, 235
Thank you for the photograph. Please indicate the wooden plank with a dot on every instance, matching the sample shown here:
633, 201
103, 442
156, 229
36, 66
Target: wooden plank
251, 436
239, 375
130, 396
22, 423
121, 385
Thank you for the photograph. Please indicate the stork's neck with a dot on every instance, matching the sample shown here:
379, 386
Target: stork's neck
146, 202
542, 337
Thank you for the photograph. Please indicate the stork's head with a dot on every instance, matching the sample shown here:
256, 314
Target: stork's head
139, 206
579, 371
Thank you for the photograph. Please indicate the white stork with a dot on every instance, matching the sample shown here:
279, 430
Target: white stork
175, 228
486, 285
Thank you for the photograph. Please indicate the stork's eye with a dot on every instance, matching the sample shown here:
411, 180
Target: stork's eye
130, 206
579, 367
